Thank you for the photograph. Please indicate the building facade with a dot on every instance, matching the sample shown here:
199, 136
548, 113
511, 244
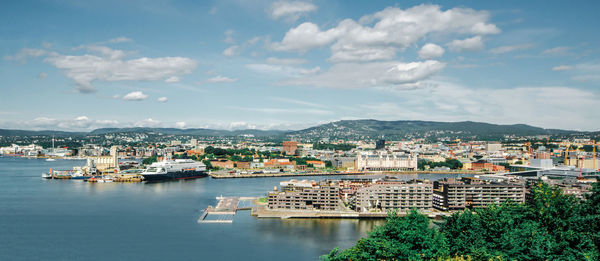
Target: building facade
382, 160
400, 196
305, 195
454, 194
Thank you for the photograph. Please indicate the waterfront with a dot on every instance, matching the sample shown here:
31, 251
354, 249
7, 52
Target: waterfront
75, 220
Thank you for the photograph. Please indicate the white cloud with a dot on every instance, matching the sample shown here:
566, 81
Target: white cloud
284, 110
470, 44
543, 106
510, 48
221, 79
285, 61
430, 50
42, 75
180, 124
296, 101
229, 36
310, 71
562, 68
291, 10
379, 74
172, 79
25, 53
586, 72
253, 40
121, 39
380, 35
69, 124
305, 37
135, 96
148, 123
561, 50
231, 51
162, 99
111, 65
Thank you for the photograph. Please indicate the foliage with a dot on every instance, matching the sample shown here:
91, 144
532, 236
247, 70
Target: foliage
450, 163
209, 166
149, 160
302, 161
330, 146
407, 238
549, 226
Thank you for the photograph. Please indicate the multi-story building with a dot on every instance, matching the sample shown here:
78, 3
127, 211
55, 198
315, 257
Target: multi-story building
290, 147
305, 195
383, 160
395, 195
344, 162
454, 194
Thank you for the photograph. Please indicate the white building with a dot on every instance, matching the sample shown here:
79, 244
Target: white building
383, 160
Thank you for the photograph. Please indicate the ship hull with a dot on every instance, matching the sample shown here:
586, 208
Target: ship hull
175, 175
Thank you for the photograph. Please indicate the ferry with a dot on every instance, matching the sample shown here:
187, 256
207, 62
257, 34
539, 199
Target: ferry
174, 169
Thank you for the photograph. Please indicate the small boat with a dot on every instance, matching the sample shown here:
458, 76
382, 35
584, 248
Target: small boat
46, 175
50, 159
100, 179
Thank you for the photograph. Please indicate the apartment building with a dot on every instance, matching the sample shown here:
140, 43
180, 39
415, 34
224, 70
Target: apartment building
395, 195
306, 195
458, 194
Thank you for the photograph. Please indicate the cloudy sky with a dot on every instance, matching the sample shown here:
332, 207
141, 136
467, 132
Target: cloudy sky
80, 65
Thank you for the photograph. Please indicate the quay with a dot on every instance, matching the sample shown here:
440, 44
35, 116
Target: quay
225, 210
261, 211
220, 175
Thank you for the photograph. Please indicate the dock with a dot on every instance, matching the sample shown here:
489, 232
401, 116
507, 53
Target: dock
225, 210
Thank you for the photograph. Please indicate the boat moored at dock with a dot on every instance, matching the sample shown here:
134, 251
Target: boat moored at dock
174, 169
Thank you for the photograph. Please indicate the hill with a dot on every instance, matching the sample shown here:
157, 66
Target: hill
364, 129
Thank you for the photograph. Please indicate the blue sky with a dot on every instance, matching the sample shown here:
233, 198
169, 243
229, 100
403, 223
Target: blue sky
81, 65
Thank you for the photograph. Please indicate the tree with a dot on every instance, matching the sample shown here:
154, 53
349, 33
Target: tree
149, 160
401, 238
591, 211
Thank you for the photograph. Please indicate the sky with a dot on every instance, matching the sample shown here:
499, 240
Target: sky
236, 64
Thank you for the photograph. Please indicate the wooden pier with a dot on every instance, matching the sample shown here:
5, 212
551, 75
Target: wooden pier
225, 210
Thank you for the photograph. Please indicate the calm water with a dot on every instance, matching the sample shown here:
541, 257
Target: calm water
76, 220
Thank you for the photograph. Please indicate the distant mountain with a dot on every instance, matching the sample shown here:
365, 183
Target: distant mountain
346, 129
361, 129
8, 132
193, 132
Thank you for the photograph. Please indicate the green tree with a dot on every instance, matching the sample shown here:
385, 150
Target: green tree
149, 160
402, 238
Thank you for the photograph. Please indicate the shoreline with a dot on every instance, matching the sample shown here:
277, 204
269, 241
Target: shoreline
269, 175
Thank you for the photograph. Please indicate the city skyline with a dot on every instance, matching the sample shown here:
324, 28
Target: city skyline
296, 64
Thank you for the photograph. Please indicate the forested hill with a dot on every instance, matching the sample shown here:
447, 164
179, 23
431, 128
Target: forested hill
361, 129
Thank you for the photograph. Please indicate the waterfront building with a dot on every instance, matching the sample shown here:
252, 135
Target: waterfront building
280, 164
306, 195
383, 160
316, 163
458, 194
395, 195
222, 163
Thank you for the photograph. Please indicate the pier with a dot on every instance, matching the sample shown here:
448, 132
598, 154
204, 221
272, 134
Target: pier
225, 210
